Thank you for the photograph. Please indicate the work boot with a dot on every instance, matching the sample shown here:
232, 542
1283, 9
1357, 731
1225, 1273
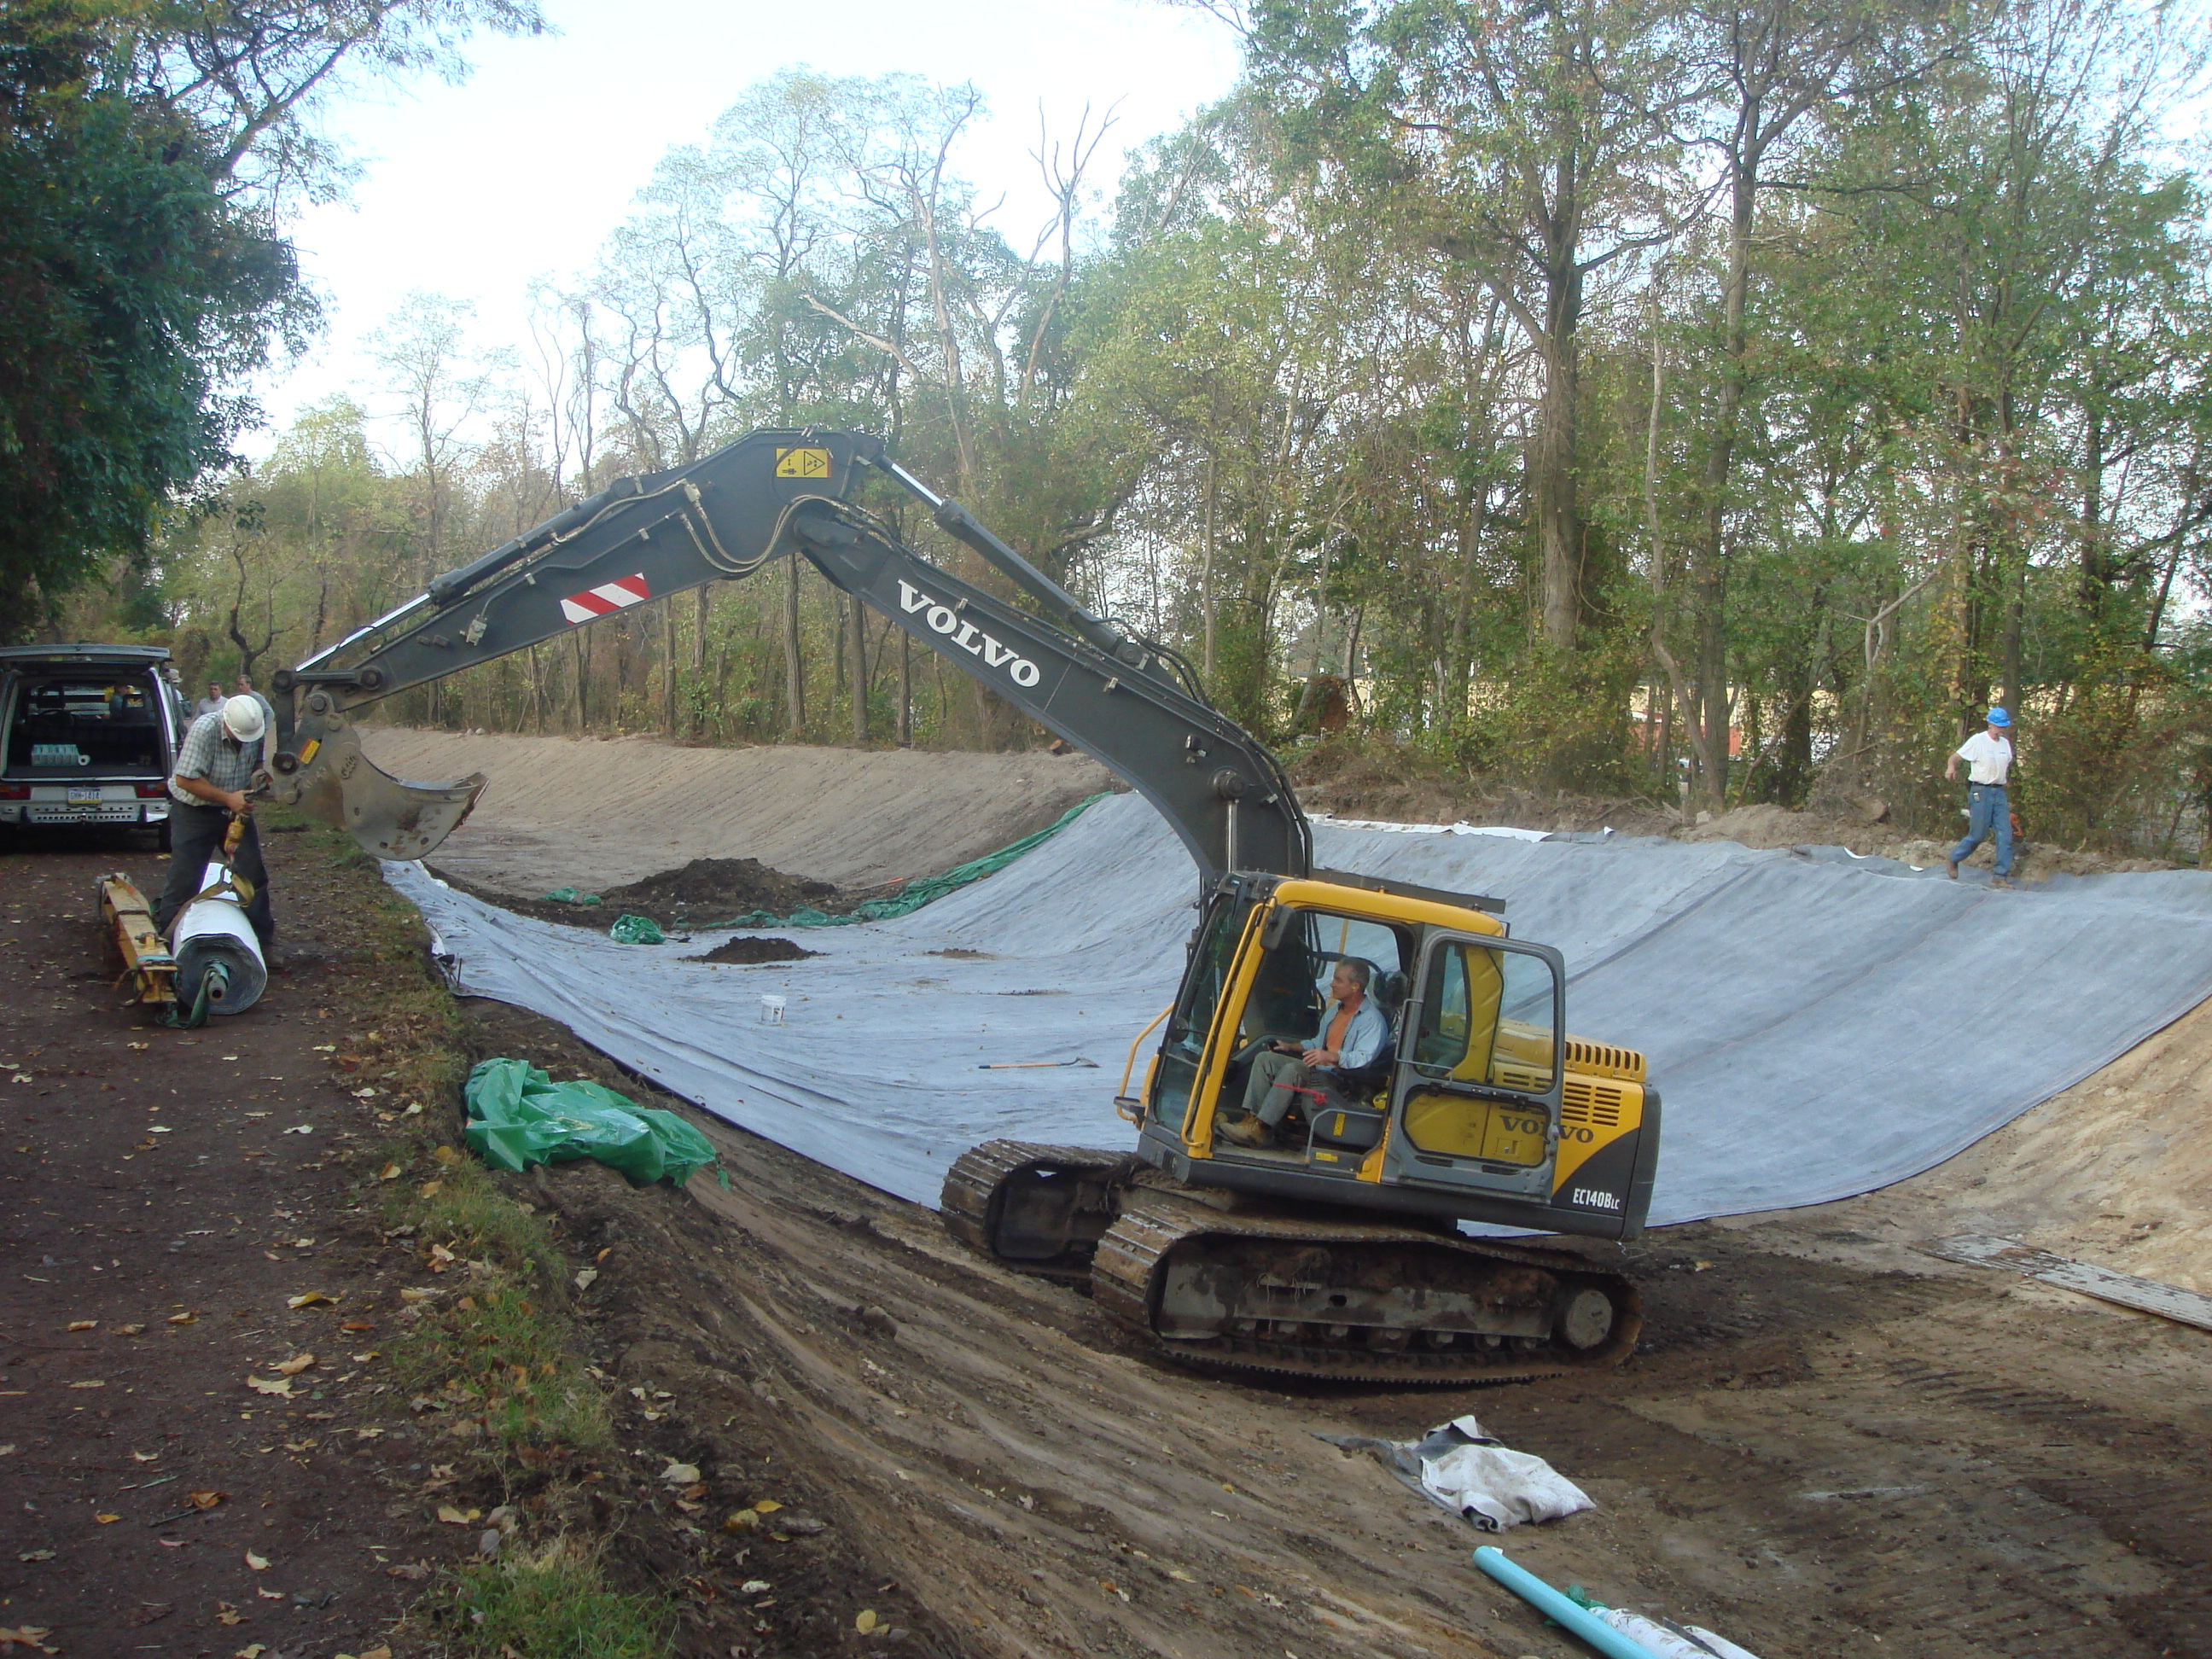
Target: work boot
2001, 881
1246, 1131
1952, 864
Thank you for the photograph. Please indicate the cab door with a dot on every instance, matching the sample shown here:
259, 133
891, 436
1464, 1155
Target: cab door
1475, 1095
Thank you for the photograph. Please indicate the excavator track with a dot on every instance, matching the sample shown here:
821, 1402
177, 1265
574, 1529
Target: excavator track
1037, 1209
1222, 1285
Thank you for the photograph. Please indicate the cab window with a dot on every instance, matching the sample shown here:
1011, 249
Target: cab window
1489, 1018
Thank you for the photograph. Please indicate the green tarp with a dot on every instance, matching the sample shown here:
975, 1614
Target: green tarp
519, 1116
921, 891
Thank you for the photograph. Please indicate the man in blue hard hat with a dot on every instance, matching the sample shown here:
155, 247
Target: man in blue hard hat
1988, 756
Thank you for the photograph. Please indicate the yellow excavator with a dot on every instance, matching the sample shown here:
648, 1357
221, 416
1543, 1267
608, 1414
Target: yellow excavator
1335, 1248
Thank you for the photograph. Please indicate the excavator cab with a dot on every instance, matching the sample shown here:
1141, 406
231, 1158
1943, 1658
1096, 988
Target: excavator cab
1479, 1107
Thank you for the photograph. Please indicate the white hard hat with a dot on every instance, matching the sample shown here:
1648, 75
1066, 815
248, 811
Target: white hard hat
243, 719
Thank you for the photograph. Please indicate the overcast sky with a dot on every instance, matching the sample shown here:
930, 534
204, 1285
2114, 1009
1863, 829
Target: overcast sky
522, 170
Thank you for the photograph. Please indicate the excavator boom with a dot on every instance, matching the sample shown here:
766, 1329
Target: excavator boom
771, 496
1271, 1257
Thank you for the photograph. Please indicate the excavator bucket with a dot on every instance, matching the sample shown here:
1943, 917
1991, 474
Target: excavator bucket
337, 782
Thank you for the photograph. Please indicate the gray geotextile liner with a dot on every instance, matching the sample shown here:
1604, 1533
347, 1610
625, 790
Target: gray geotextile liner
1819, 1025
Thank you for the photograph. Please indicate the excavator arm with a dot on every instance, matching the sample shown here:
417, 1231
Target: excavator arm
726, 517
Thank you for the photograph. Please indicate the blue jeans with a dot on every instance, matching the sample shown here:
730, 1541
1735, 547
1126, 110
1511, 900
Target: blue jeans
1987, 814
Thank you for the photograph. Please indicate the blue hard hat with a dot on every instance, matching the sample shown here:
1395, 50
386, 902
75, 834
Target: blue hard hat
1998, 717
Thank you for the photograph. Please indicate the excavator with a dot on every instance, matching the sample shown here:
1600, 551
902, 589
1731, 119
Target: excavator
1336, 1250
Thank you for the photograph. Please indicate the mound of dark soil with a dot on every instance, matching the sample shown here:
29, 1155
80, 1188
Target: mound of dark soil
746, 948
708, 889
701, 893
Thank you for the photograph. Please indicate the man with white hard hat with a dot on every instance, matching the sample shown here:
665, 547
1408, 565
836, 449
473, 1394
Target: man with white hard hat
214, 767
1988, 755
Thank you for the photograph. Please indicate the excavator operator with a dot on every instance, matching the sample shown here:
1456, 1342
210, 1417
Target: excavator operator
1352, 1033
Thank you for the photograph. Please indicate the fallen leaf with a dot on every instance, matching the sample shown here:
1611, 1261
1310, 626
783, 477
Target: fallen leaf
742, 1521
766, 1506
184, 1319
138, 1045
431, 1188
445, 1155
83, 1325
258, 1562
411, 1295
107, 1520
205, 1500
158, 1129
26, 1636
586, 1277
389, 1172
310, 1299
411, 1570
228, 1615
96, 1382
369, 1434
280, 1386
681, 1474
296, 1364
36, 1555
135, 1456
356, 1325
252, 1651
380, 1651
453, 1517
300, 1129
865, 1624
130, 1330
753, 1587
364, 1094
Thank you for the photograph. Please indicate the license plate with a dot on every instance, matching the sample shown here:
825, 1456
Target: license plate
84, 794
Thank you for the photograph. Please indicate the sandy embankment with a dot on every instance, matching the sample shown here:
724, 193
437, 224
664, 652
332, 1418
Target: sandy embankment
600, 811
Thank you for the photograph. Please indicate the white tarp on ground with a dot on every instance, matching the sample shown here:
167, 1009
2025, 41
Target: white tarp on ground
1820, 1026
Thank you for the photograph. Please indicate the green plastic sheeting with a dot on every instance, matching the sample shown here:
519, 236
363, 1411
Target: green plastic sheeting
921, 891
570, 895
636, 930
519, 1116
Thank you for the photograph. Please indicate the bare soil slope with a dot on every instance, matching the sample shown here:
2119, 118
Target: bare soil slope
1822, 1458
599, 812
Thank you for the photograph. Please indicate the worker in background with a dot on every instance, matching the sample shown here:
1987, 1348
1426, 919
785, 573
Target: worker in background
214, 767
1351, 1035
1988, 755
244, 689
211, 703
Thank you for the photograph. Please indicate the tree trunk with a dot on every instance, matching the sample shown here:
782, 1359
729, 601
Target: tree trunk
795, 675
859, 675
905, 688
1709, 574
1558, 515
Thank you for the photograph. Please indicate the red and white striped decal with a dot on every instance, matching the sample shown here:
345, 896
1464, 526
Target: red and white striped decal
602, 601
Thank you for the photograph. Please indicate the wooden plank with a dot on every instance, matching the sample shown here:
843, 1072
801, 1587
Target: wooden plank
2125, 1290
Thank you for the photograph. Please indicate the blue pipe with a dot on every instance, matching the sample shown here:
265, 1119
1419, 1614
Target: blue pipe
1552, 1605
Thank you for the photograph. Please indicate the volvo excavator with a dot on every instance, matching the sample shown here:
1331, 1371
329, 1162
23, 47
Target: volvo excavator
1334, 1251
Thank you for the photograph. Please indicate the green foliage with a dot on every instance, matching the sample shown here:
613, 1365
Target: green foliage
554, 1605
1430, 363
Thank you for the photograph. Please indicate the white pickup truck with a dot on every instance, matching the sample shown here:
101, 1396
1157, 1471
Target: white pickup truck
91, 733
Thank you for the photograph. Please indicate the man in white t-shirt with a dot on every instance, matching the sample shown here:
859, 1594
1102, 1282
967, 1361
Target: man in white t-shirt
1988, 755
